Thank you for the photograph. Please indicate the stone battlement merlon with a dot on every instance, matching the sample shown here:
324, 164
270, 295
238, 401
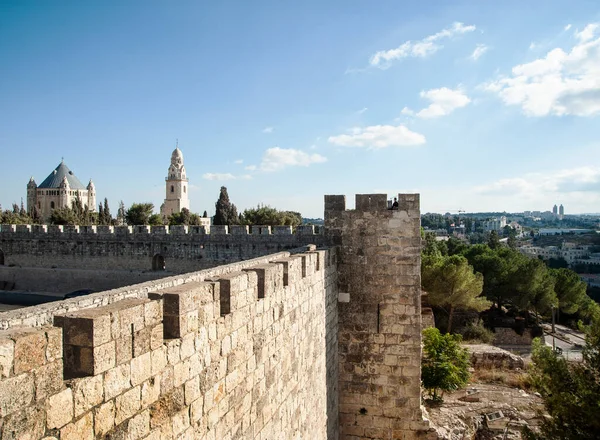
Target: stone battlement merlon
144, 230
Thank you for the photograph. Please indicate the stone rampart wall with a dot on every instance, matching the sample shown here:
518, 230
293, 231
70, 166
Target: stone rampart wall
247, 350
183, 249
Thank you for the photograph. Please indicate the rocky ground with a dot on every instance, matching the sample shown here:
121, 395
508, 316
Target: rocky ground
497, 404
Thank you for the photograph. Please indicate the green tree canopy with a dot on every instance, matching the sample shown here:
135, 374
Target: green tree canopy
185, 217
225, 211
445, 364
570, 290
77, 214
139, 214
266, 215
451, 284
571, 390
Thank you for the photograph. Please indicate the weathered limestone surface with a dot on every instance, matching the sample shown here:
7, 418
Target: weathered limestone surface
184, 248
243, 353
380, 327
259, 349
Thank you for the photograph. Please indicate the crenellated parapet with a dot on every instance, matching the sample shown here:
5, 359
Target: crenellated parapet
181, 248
143, 231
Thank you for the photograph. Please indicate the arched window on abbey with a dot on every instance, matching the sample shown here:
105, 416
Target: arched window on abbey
172, 188
1, 257
52, 205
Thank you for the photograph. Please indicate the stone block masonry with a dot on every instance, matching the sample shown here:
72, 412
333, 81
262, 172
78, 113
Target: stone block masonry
258, 349
243, 353
380, 327
183, 249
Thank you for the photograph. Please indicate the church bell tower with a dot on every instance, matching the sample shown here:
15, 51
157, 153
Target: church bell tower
176, 187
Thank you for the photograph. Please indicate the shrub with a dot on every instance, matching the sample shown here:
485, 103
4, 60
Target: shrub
476, 332
445, 363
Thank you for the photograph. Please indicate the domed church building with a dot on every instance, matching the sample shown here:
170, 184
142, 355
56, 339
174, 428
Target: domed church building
60, 189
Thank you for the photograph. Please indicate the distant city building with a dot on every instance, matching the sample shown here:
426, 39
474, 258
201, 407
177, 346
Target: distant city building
555, 210
561, 212
59, 190
592, 280
570, 252
176, 187
561, 231
494, 224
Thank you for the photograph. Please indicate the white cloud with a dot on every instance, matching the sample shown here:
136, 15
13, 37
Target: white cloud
561, 83
268, 130
362, 110
419, 48
250, 167
480, 49
239, 161
275, 159
407, 112
533, 45
587, 33
379, 136
443, 102
566, 182
567, 27
225, 176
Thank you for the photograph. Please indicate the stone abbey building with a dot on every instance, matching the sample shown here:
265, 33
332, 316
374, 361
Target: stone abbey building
59, 190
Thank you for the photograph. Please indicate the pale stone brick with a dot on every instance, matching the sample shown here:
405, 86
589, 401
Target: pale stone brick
150, 391
82, 429
54, 347
156, 337
29, 350
7, 352
117, 380
59, 409
158, 360
192, 390
127, 404
28, 423
187, 346
104, 418
153, 313
139, 426
17, 392
48, 379
87, 393
141, 368
196, 410
181, 421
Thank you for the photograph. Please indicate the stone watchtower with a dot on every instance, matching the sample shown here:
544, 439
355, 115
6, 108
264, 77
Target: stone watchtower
379, 279
176, 187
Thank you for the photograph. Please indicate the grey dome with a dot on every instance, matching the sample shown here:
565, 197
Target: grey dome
55, 178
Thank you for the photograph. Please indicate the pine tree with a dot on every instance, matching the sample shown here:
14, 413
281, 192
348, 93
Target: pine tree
205, 215
225, 211
451, 284
107, 220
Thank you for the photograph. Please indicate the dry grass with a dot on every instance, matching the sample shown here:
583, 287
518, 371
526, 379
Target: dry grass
512, 378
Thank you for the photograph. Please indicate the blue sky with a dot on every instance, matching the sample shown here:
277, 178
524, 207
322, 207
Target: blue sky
476, 105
